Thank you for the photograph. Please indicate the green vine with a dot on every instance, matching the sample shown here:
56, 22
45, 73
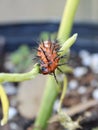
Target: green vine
51, 90
63, 34
17, 77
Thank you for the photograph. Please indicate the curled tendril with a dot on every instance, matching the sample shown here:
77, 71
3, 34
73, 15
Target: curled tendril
5, 105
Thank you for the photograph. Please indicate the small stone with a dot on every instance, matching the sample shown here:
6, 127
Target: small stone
83, 54
13, 100
56, 105
12, 112
82, 90
64, 109
80, 71
85, 57
95, 94
94, 63
86, 61
94, 83
10, 88
14, 126
9, 66
73, 84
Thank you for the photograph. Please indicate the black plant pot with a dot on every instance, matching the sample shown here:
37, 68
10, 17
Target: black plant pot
15, 35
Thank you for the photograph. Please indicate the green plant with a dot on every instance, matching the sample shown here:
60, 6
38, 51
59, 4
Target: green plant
51, 86
21, 58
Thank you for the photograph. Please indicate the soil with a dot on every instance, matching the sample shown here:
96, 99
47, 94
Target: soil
81, 100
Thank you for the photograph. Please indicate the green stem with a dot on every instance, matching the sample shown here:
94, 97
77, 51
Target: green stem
67, 20
50, 95
63, 93
51, 92
17, 77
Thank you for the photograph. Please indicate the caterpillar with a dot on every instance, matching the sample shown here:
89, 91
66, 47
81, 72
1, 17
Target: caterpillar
48, 57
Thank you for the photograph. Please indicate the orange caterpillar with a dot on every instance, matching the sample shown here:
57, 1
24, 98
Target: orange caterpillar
47, 54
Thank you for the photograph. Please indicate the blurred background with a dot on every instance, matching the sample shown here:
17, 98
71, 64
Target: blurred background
21, 22
12, 11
